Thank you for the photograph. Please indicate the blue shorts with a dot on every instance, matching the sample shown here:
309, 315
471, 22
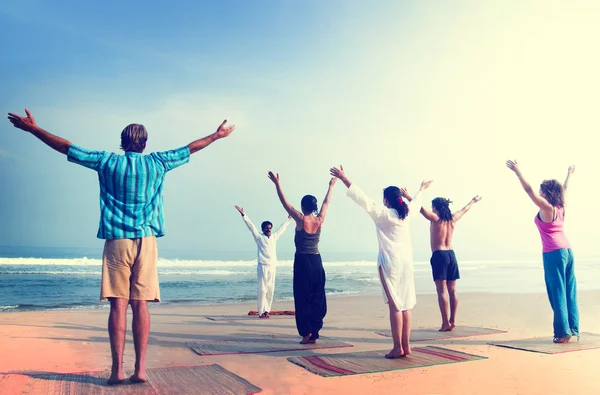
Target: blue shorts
444, 265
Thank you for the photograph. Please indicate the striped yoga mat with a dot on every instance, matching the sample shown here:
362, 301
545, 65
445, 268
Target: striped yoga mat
245, 317
420, 335
260, 344
374, 361
211, 379
587, 341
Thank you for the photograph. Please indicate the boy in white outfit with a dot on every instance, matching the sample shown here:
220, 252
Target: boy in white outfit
267, 260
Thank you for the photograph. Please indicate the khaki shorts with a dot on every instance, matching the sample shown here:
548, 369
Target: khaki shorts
129, 269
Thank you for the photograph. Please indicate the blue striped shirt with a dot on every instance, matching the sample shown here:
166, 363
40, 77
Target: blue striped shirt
131, 200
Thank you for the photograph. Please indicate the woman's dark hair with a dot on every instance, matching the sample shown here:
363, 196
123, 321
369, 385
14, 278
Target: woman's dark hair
553, 192
394, 198
442, 206
309, 204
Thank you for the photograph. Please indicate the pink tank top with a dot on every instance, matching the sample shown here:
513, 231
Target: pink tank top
553, 233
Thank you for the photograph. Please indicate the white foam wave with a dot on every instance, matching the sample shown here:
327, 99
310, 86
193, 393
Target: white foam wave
165, 263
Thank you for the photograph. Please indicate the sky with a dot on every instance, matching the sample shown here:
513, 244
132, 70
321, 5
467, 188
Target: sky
395, 91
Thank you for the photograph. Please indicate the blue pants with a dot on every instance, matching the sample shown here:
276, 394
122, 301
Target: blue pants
559, 273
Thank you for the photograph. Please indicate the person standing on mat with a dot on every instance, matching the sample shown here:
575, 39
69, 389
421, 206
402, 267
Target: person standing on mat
444, 266
267, 260
395, 260
559, 264
131, 218
309, 276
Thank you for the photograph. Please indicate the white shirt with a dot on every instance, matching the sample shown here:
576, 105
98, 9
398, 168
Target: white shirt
395, 247
266, 245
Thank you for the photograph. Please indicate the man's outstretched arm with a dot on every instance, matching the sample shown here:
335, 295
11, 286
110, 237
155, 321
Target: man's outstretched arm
222, 131
458, 215
28, 124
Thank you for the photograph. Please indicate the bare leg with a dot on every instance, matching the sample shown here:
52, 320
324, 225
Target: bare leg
141, 332
406, 318
453, 303
117, 325
395, 323
440, 287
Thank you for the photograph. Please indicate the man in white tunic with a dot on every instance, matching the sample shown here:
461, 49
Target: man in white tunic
395, 260
267, 260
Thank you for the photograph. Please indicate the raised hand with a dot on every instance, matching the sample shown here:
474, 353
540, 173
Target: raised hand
513, 165
274, 177
404, 193
24, 123
571, 169
425, 185
223, 130
476, 199
332, 182
337, 173
240, 209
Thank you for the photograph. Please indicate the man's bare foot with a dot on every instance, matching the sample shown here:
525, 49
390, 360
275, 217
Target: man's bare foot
138, 378
452, 326
445, 328
116, 379
267, 314
395, 353
306, 339
263, 315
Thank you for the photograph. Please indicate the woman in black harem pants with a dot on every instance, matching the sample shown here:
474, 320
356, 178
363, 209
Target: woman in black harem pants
309, 276
309, 294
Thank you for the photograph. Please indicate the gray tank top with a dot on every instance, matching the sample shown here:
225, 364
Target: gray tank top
307, 243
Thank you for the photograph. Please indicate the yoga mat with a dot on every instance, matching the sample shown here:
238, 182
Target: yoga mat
211, 379
420, 335
245, 317
374, 361
587, 341
282, 312
260, 344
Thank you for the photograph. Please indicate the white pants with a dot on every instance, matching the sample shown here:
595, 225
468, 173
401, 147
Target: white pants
266, 287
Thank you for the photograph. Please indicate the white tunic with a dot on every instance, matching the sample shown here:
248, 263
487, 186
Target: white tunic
267, 254
267, 264
395, 248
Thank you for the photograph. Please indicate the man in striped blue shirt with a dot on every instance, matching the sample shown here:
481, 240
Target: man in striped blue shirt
131, 218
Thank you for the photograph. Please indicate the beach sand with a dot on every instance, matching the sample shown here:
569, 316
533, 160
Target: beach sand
76, 341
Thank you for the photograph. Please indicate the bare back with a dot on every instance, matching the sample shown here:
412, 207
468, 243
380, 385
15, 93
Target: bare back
441, 233
310, 223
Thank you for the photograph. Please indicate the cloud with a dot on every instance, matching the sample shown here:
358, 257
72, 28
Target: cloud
5, 155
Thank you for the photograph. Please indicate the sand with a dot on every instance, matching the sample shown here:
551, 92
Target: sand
75, 341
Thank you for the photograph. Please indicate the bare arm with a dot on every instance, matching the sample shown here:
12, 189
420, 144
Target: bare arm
569, 172
295, 214
326, 201
222, 131
533, 195
28, 124
458, 215
429, 215
339, 173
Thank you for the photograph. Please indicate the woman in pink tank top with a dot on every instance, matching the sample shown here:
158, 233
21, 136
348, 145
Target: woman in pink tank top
559, 265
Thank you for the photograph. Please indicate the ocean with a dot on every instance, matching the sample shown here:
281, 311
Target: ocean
53, 278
